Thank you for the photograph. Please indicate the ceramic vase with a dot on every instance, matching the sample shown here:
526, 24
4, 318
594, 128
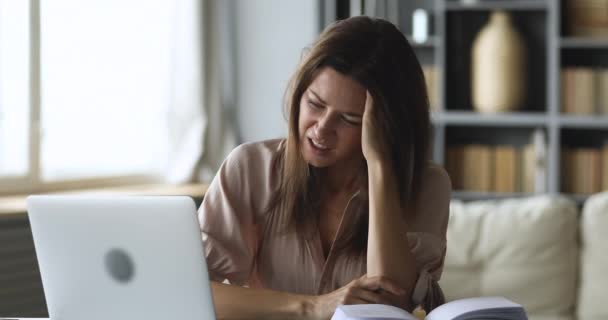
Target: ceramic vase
498, 66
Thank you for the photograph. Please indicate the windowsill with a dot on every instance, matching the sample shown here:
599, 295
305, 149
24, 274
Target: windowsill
15, 205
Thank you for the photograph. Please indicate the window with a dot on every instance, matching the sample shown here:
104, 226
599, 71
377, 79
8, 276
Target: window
14, 88
84, 91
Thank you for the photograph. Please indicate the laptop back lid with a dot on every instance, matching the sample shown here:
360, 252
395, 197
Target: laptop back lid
120, 257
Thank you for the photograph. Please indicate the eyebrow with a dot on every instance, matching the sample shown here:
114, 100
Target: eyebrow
351, 114
317, 97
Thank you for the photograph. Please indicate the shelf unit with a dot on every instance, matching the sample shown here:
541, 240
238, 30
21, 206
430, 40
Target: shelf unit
481, 5
583, 43
455, 23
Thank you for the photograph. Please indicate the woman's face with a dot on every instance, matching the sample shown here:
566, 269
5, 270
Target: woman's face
331, 111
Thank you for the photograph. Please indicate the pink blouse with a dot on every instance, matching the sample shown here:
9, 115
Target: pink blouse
241, 248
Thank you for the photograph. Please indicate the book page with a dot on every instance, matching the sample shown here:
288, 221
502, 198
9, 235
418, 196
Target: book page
453, 309
370, 312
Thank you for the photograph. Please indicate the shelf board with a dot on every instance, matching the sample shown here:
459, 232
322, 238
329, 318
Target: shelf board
583, 43
584, 121
483, 5
512, 119
474, 195
430, 43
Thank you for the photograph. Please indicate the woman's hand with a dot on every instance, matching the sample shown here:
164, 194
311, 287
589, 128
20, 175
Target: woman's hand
373, 140
363, 290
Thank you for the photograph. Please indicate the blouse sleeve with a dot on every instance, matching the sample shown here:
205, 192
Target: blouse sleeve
428, 243
227, 220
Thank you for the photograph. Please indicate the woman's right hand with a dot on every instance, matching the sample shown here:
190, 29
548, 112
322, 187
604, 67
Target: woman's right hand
363, 290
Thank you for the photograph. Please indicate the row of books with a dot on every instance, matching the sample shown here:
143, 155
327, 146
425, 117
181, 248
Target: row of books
499, 168
586, 18
584, 170
487, 168
584, 90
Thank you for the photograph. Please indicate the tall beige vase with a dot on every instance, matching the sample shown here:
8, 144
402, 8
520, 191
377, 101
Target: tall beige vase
498, 66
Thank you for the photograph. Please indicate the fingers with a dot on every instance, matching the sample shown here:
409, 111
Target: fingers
375, 283
366, 295
356, 295
354, 300
369, 101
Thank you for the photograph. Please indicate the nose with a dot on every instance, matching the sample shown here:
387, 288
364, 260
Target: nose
323, 127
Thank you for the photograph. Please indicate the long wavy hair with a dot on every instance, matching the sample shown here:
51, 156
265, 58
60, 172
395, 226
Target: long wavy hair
377, 55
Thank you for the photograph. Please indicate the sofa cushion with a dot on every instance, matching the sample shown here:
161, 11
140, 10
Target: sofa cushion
593, 287
523, 249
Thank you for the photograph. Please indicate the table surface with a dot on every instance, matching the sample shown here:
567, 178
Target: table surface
15, 205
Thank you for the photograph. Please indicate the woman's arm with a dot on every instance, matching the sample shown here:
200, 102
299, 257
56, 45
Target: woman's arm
235, 302
388, 252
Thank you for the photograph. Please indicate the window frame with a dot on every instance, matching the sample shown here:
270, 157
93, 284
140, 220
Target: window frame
32, 182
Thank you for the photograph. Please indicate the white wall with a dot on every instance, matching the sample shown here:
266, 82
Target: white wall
270, 35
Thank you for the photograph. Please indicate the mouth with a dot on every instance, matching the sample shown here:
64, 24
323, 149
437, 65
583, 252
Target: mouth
318, 145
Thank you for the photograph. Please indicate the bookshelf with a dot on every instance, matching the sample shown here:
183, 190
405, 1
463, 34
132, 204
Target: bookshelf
550, 47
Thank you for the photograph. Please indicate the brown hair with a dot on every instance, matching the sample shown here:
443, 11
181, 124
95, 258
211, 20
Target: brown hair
377, 55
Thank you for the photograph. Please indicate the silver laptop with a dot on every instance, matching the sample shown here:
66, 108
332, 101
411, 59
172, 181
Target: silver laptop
120, 257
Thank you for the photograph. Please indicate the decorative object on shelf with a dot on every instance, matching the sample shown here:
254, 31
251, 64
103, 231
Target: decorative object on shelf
498, 66
420, 25
587, 18
539, 151
550, 120
469, 2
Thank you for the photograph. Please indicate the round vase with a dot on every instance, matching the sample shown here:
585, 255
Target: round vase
498, 66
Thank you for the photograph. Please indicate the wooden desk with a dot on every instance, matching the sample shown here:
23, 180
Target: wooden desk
24, 296
15, 205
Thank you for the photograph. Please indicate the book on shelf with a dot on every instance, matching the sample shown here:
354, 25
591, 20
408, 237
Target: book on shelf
506, 169
430, 77
581, 170
601, 90
478, 168
528, 167
586, 18
500, 168
591, 165
578, 90
497, 308
604, 169
454, 166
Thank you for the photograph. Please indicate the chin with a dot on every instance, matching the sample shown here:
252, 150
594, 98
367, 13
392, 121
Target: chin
318, 163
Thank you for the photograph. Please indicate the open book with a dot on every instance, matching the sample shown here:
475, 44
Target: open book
497, 308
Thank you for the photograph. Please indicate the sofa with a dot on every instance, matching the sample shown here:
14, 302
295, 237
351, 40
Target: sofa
543, 252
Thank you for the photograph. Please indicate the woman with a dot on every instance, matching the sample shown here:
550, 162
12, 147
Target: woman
346, 210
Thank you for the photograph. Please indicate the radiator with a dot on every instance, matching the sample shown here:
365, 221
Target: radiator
21, 293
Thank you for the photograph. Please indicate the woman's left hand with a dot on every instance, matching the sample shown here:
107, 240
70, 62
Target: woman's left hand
373, 139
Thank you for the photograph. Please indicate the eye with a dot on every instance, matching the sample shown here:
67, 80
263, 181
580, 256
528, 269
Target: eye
351, 121
315, 106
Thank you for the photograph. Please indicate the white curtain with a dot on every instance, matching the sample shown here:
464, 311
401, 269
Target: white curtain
201, 121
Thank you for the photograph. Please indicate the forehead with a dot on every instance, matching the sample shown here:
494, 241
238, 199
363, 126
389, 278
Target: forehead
339, 91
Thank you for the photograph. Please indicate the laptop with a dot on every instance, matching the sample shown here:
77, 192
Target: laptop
120, 257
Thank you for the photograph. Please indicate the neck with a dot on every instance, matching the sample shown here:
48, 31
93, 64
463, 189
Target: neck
340, 179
